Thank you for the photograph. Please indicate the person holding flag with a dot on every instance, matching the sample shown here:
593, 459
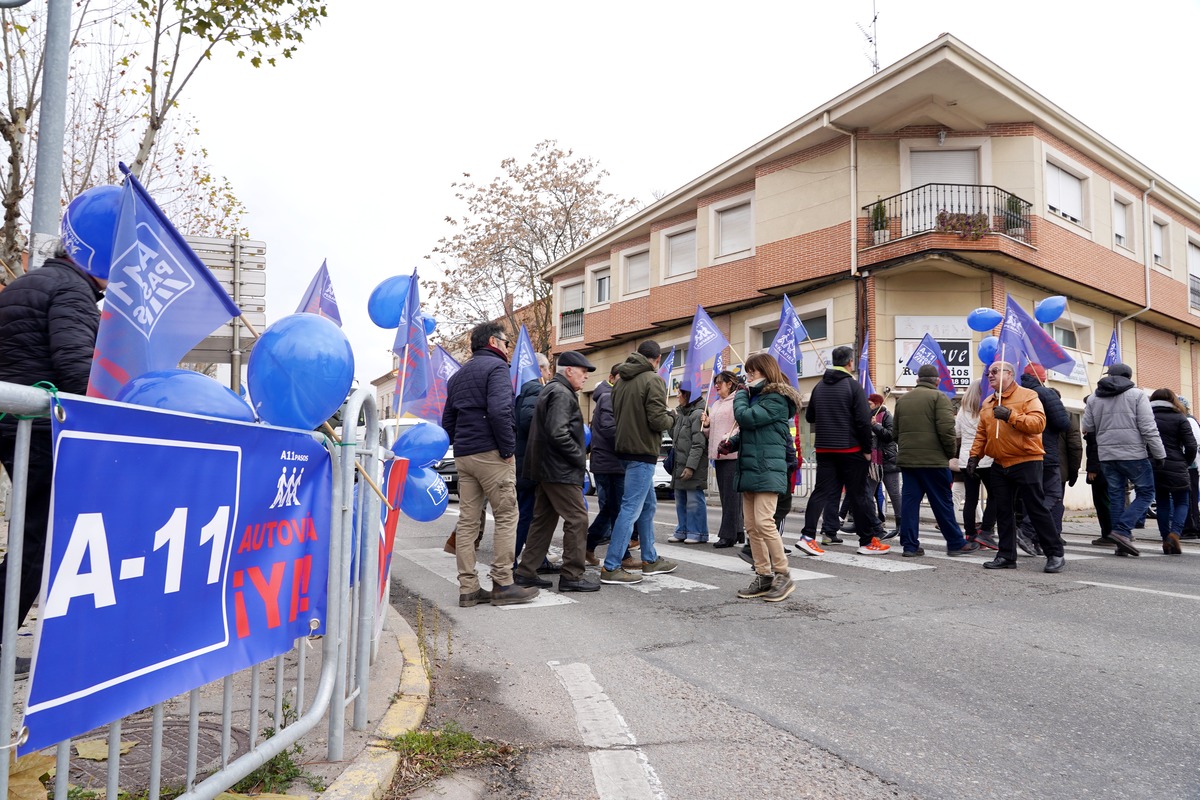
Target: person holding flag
1011, 421
48, 324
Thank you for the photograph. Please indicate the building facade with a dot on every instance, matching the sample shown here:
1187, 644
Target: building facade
939, 185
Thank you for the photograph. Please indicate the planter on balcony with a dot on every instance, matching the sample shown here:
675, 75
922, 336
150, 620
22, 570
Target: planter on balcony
882, 236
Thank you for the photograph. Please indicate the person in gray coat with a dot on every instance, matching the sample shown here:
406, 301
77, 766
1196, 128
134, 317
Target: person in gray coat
1127, 438
689, 476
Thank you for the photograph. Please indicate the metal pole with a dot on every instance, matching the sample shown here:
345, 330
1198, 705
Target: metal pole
47, 183
235, 350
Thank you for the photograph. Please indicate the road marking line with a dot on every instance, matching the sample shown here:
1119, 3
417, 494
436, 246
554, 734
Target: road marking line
733, 563
441, 563
656, 583
1139, 589
620, 768
882, 563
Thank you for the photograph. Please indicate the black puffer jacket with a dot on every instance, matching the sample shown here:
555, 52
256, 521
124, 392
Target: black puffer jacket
526, 402
1057, 418
604, 431
48, 324
479, 406
1179, 442
555, 453
839, 411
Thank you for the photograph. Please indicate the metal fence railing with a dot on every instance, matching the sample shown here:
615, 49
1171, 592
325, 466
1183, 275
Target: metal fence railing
225, 736
967, 209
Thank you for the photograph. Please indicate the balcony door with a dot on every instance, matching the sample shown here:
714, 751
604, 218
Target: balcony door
954, 175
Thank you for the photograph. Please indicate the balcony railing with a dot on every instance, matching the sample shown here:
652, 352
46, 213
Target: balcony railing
967, 209
570, 324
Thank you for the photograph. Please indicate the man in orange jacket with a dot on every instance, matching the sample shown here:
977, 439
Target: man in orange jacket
1010, 431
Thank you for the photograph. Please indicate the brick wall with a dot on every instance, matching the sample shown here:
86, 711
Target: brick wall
1157, 358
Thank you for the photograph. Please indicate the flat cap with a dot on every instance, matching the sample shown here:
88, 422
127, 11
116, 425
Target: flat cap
927, 371
571, 358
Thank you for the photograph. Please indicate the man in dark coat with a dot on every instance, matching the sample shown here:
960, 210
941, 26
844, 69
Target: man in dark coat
479, 420
1057, 422
607, 470
556, 462
838, 410
48, 325
525, 403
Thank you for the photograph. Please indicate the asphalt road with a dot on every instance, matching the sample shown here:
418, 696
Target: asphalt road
878, 677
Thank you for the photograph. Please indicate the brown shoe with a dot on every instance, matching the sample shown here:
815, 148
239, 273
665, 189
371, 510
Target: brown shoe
451, 545
591, 559
631, 563
512, 594
1171, 545
477, 597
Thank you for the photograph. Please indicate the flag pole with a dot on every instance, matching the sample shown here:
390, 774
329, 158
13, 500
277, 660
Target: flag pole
400, 386
816, 352
1000, 391
249, 327
333, 435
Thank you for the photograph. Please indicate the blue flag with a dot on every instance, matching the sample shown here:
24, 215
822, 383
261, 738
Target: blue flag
1113, 354
413, 378
930, 352
668, 364
706, 342
161, 299
784, 345
524, 366
1022, 340
319, 299
790, 312
430, 406
864, 366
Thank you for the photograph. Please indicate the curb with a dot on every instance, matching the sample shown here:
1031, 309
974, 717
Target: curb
372, 770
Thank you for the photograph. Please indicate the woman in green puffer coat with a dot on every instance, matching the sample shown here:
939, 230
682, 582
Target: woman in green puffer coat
762, 410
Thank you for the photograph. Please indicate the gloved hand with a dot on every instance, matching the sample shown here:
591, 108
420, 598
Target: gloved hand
877, 428
1159, 463
1002, 413
725, 447
1071, 478
687, 473
972, 465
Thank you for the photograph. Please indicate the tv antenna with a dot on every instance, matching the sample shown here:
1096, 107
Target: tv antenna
872, 39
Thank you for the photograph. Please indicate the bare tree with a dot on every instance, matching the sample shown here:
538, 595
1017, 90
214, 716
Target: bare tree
516, 225
254, 28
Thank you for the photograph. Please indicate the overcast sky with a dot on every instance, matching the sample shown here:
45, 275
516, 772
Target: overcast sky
347, 151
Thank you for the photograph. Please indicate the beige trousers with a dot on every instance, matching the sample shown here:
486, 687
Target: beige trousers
486, 478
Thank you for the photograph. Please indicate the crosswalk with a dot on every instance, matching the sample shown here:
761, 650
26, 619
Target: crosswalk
803, 568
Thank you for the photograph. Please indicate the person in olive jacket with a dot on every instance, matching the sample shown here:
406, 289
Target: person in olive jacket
762, 410
924, 426
555, 460
690, 473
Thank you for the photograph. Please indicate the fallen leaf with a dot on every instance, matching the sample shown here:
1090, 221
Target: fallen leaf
97, 749
24, 777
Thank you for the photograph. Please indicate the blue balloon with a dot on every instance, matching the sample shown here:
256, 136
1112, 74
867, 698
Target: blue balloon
185, 390
89, 227
425, 495
430, 324
587, 435
1050, 309
423, 445
984, 319
300, 371
988, 348
385, 306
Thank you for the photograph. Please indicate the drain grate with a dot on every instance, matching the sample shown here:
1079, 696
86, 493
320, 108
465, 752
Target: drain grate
135, 765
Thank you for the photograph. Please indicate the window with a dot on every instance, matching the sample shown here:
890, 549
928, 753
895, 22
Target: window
1193, 262
637, 272
601, 286
816, 324
734, 230
1158, 240
1064, 193
681, 253
1073, 335
570, 318
1121, 224
768, 336
572, 297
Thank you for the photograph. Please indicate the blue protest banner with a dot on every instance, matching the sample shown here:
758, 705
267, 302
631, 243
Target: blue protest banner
181, 549
319, 298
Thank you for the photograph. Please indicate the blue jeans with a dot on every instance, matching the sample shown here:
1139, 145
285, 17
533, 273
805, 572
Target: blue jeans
692, 511
1141, 475
934, 483
1172, 509
638, 505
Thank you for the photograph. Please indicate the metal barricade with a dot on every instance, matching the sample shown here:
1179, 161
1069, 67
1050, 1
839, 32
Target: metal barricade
346, 647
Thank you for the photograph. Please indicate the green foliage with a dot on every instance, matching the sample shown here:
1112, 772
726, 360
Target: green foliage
879, 220
427, 754
971, 226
